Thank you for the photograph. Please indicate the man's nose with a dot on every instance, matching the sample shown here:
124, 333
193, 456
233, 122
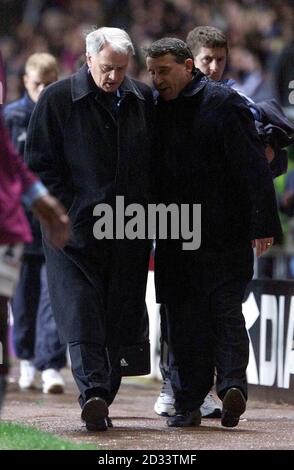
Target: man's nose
113, 75
213, 66
156, 79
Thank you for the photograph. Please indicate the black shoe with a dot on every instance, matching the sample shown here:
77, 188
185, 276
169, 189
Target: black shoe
234, 405
95, 414
109, 422
185, 419
215, 414
101, 424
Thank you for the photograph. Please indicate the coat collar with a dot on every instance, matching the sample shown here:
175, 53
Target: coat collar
82, 84
191, 89
197, 83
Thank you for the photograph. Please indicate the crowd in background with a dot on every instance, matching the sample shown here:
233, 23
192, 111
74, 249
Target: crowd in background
260, 35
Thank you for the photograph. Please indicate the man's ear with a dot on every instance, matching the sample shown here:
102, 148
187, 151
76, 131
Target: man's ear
88, 58
189, 65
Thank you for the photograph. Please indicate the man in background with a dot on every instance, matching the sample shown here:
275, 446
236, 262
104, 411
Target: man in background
17, 181
35, 336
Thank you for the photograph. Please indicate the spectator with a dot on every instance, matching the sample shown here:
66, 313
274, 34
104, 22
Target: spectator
35, 335
16, 180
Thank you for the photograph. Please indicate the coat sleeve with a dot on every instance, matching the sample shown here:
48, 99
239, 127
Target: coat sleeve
44, 146
246, 161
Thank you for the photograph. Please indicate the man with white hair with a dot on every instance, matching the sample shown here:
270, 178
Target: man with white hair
89, 140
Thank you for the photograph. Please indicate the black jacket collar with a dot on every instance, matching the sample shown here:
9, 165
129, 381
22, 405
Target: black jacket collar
82, 84
197, 83
191, 89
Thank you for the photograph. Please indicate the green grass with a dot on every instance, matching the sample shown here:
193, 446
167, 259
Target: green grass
17, 437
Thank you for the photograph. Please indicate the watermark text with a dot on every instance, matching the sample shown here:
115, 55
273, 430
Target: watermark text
160, 221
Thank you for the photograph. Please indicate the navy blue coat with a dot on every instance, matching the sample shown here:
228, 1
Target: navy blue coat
209, 153
86, 156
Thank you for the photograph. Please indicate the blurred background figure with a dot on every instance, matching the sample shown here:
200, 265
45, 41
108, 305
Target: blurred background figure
35, 337
246, 69
284, 76
263, 29
17, 181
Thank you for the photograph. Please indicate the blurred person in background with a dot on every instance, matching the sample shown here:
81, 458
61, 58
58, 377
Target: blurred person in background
24, 23
284, 76
209, 47
35, 336
247, 70
17, 183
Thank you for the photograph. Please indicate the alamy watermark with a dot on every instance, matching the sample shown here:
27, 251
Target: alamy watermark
135, 221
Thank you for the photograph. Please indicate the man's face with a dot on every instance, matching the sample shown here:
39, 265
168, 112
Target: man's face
169, 77
211, 61
35, 82
108, 68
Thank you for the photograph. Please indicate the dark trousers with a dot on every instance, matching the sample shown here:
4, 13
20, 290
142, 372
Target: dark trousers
92, 372
35, 335
207, 332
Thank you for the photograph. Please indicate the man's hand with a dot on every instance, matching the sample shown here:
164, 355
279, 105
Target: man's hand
262, 244
53, 219
269, 153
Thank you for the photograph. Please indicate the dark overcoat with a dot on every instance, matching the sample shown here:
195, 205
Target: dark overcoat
86, 155
209, 153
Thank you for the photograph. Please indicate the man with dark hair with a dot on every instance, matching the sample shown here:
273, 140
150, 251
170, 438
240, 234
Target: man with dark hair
209, 47
208, 153
206, 36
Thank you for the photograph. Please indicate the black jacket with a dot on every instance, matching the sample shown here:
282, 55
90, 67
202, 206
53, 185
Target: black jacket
209, 153
277, 131
85, 155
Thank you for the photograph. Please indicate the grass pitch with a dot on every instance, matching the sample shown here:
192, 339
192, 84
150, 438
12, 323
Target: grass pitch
18, 437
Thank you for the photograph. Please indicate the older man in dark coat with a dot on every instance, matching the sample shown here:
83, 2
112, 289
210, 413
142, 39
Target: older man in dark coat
89, 140
208, 153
